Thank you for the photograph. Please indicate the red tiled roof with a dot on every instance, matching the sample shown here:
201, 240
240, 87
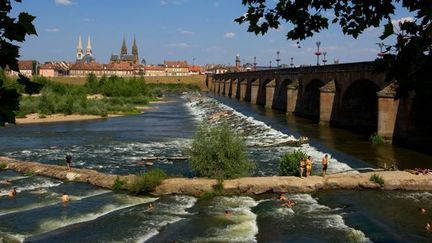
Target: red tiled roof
154, 68
174, 64
120, 66
25, 65
195, 68
86, 66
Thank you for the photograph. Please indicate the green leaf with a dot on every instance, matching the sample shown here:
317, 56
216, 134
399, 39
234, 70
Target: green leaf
388, 30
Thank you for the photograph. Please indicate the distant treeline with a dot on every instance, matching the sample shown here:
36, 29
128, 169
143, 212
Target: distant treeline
103, 96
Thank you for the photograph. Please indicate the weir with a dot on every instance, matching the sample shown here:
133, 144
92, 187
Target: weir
393, 180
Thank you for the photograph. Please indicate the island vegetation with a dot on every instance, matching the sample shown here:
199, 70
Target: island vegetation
98, 96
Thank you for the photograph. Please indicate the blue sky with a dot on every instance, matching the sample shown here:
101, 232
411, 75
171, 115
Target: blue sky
199, 31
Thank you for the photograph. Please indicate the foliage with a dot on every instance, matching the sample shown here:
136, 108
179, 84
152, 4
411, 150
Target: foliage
218, 152
13, 30
377, 179
217, 191
147, 181
30, 173
3, 166
118, 184
408, 60
376, 139
289, 164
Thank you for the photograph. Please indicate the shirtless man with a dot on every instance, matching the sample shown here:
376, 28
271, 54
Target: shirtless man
65, 198
324, 162
281, 197
12, 193
308, 166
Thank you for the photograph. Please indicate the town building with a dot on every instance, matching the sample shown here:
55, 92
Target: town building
176, 68
154, 70
54, 69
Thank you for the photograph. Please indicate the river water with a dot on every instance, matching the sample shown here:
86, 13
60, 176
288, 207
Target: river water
115, 145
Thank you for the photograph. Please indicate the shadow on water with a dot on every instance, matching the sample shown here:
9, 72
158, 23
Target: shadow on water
347, 146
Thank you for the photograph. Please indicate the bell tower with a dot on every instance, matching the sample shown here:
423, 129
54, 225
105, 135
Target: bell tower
89, 51
123, 50
79, 51
135, 51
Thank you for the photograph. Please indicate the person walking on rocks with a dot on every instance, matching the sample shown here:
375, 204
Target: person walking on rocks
308, 166
68, 160
324, 163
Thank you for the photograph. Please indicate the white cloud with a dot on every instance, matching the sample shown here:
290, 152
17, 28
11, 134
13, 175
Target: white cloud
229, 35
52, 30
174, 2
64, 2
402, 20
179, 45
185, 32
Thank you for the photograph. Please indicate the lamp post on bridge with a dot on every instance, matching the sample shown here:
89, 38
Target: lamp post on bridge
381, 46
292, 62
277, 59
324, 58
318, 53
255, 63
270, 64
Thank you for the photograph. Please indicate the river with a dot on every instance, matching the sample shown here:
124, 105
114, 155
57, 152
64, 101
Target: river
115, 145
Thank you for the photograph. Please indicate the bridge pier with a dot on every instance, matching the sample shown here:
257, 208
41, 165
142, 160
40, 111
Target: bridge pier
234, 89
292, 94
254, 91
270, 90
327, 95
227, 88
387, 112
243, 86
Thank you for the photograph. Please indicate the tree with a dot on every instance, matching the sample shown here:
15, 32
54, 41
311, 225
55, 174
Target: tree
13, 30
218, 152
408, 60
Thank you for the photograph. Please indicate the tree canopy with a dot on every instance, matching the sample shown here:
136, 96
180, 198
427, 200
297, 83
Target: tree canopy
408, 60
13, 30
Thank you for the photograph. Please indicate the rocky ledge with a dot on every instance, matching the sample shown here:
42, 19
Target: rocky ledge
393, 180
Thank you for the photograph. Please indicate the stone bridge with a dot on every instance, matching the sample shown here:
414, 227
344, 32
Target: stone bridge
348, 95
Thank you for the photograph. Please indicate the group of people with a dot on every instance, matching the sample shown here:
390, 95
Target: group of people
307, 164
286, 202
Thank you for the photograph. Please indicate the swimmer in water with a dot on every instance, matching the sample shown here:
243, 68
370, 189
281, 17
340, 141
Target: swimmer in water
12, 193
227, 213
65, 198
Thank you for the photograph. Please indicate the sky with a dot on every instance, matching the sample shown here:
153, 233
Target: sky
198, 31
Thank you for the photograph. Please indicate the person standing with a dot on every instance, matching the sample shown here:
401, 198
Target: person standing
324, 163
308, 166
302, 167
68, 160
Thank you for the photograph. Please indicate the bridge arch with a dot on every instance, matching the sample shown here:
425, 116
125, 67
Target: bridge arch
359, 105
311, 98
281, 95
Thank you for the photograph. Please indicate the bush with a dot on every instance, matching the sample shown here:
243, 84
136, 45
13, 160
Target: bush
377, 179
217, 191
218, 152
147, 182
289, 164
376, 139
118, 184
3, 166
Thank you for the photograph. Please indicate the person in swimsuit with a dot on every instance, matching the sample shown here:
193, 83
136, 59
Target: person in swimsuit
65, 198
302, 167
12, 193
308, 166
324, 162
68, 160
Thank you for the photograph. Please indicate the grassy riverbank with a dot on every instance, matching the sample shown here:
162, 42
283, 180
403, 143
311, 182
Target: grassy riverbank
97, 96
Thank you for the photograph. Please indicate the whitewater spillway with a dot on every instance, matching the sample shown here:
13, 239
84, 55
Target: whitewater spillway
393, 180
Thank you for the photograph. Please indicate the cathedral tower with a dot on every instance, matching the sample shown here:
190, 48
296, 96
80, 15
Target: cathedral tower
89, 51
135, 51
79, 53
123, 50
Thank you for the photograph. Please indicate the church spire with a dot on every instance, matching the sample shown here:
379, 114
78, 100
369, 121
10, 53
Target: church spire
123, 48
135, 50
89, 47
79, 53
